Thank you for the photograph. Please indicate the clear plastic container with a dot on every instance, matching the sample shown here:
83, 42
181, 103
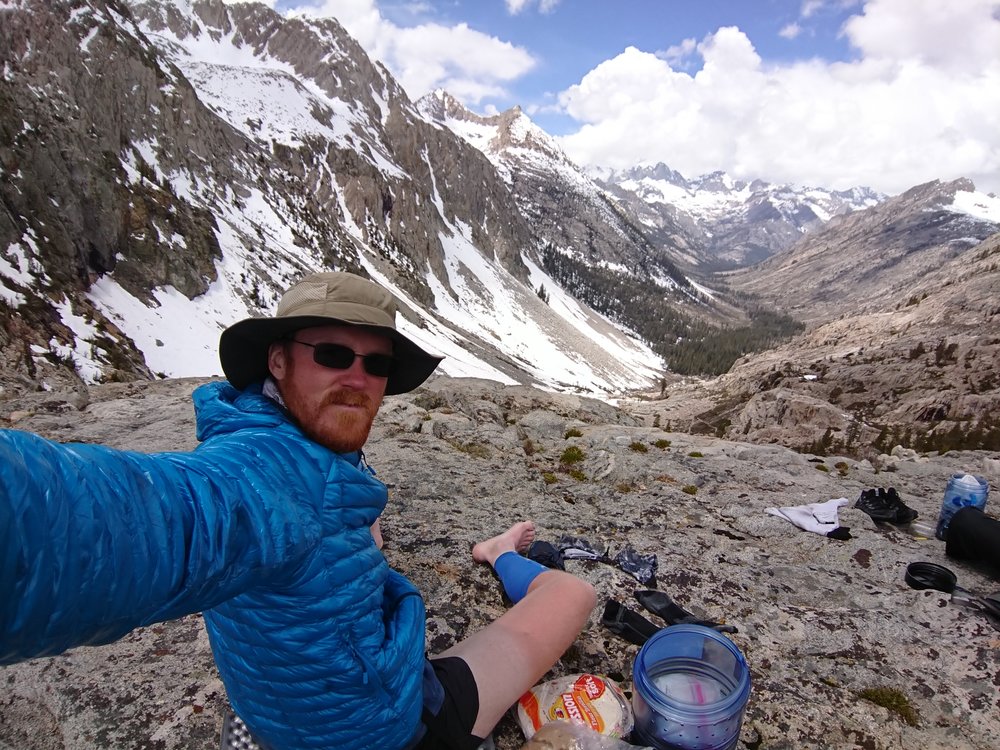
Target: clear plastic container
920, 530
690, 689
962, 490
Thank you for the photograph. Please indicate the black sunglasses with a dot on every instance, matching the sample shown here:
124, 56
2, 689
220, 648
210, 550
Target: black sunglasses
340, 357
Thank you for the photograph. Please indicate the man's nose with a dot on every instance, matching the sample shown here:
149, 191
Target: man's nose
356, 373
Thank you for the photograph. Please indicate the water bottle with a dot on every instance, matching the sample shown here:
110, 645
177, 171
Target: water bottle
963, 490
691, 687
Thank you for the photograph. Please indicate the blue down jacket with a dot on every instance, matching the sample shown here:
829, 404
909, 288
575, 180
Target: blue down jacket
319, 643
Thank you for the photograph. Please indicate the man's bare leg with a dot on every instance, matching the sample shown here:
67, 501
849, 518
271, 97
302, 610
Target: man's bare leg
512, 653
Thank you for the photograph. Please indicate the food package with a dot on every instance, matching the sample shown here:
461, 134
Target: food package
565, 735
593, 701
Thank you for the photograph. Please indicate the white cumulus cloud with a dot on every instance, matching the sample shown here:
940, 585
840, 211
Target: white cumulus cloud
468, 63
921, 101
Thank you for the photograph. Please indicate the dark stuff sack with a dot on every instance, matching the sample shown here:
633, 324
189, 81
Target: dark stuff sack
974, 536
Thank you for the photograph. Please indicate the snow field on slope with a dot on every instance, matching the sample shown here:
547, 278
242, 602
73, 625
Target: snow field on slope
978, 205
489, 302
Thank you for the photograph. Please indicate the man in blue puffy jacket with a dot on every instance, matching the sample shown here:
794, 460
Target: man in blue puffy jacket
271, 528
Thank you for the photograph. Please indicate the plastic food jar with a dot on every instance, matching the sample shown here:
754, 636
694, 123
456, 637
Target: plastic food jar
690, 688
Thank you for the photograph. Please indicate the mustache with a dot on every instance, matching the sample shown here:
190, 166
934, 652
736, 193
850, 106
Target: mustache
349, 398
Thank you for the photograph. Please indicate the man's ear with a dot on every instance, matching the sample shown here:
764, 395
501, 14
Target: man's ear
277, 360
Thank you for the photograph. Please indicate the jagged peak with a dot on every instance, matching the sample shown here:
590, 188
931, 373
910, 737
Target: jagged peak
653, 171
516, 129
441, 106
443, 97
513, 128
951, 187
513, 112
935, 192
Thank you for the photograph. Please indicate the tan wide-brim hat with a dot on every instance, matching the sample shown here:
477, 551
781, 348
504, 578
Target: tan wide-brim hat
322, 299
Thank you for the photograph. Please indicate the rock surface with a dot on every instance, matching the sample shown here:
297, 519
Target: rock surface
819, 620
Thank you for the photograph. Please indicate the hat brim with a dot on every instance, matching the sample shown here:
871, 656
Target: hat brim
243, 350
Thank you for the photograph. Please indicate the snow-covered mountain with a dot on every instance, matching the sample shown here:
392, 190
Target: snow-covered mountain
177, 164
740, 222
565, 206
167, 168
859, 262
659, 219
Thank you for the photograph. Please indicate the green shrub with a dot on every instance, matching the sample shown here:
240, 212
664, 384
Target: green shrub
572, 432
689, 489
822, 467
473, 449
576, 474
662, 444
695, 454
893, 700
572, 455
549, 478
638, 447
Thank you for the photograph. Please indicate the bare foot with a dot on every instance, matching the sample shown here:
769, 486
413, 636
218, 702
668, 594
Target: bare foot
515, 539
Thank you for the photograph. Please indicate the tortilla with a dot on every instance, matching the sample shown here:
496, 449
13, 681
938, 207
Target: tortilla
586, 699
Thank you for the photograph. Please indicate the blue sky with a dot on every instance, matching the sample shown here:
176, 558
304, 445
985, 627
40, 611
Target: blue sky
832, 93
575, 36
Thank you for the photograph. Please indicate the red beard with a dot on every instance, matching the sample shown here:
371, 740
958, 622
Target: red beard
340, 430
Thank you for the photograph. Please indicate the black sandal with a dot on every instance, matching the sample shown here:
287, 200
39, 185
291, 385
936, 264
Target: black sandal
674, 614
630, 625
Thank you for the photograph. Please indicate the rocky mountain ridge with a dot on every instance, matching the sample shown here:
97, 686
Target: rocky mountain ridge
570, 212
898, 244
332, 166
740, 222
704, 224
909, 356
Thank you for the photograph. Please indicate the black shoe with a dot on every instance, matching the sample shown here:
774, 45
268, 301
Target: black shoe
885, 506
904, 513
876, 505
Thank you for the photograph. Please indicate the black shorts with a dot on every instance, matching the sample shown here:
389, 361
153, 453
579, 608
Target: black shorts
451, 704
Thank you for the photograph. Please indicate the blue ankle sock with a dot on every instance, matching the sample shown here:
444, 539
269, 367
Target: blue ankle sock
516, 573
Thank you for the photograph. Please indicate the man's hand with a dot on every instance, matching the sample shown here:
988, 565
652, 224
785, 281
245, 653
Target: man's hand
377, 534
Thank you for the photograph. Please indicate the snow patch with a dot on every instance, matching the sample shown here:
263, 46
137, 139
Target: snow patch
978, 205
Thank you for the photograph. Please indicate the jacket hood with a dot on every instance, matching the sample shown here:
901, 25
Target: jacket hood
221, 409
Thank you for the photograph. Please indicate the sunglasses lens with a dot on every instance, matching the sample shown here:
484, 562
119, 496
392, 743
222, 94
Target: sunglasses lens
340, 357
334, 356
379, 365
